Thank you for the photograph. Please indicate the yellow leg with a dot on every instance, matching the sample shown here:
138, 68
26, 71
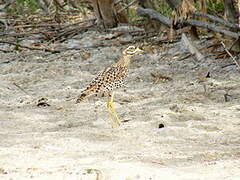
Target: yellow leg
113, 117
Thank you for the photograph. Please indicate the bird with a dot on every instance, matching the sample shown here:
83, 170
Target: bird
108, 80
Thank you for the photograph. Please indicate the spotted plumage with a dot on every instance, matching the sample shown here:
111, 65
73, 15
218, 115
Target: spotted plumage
111, 78
105, 82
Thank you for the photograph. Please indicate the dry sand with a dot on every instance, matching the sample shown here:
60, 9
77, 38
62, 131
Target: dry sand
68, 141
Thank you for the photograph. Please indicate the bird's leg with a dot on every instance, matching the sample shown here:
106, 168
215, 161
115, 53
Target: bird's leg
114, 120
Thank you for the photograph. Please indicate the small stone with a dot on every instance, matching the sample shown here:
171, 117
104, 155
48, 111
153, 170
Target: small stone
161, 125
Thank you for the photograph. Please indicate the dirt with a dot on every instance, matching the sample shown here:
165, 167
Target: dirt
172, 128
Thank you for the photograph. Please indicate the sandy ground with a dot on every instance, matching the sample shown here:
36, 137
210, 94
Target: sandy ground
67, 141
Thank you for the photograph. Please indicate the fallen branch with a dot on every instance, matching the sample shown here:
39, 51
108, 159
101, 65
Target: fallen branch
212, 27
192, 49
185, 57
232, 64
7, 34
233, 58
159, 77
154, 15
31, 48
50, 32
216, 19
5, 51
69, 33
130, 4
19, 87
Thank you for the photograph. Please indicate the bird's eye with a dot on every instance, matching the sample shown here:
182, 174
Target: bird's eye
131, 48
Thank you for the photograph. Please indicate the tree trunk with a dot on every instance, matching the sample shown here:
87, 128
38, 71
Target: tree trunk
230, 15
106, 13
229, 11
151, 24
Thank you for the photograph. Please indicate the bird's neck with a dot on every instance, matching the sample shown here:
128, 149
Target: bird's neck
125, 60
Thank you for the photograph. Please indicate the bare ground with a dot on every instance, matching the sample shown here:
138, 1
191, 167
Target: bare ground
200, 138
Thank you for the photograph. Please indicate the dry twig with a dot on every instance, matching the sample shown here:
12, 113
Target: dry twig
159, 77
130, 4
233, 58
19, 87
31, 48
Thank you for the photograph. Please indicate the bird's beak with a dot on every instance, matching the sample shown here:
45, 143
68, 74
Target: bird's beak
139, 51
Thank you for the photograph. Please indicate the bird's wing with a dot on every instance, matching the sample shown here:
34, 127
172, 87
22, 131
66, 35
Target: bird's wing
107, 80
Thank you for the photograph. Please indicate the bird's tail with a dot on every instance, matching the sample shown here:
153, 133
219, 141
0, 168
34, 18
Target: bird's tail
81, 97
84, 95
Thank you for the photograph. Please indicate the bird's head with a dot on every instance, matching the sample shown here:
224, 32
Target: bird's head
132, 50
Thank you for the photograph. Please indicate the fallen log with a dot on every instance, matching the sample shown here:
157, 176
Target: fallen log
212, 27
154, 15
216, 19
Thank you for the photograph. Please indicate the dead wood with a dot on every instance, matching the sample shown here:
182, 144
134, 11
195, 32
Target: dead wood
152, 14
104, 12
233, 58
63, 35
130, 4
7, 4
181, 9
216, 19
158, 77
150, 24
48, 32
17, 35
19, 87
192, 49
29, 47
212, 27
5, 51
185, 57
231, 15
